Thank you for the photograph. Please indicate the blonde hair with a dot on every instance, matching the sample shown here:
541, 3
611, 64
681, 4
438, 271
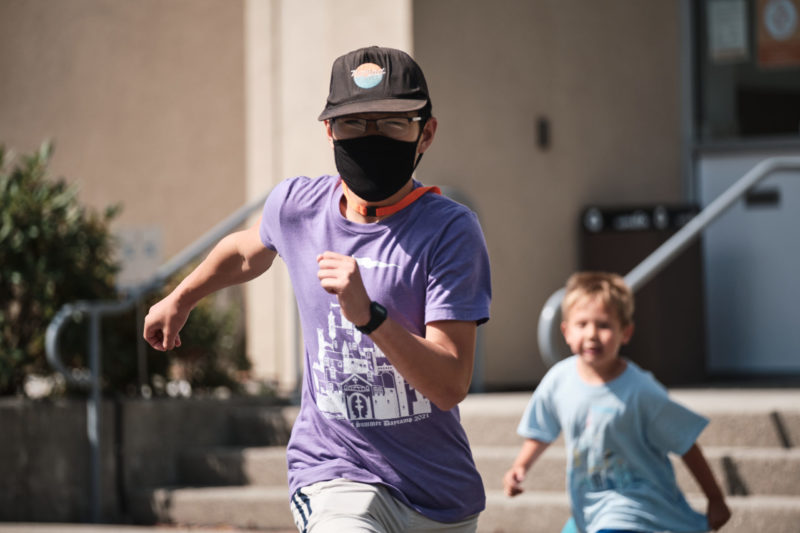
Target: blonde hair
610, 288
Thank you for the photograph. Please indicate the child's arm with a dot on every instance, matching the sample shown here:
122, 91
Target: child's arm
717, 512
531, 450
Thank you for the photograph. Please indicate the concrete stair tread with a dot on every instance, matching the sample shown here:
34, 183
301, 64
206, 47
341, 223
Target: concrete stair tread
709, 451
234, 465
544, 511
213, 492
738, 417
501, 450
542, 497
705, 400
251, 506
248, 451
739, 470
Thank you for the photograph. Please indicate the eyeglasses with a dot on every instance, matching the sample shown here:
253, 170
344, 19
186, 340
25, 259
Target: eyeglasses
400, 128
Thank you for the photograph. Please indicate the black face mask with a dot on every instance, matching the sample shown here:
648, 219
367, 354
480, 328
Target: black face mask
375, 167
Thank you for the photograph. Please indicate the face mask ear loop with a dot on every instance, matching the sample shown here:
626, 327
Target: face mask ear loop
421, 128
417, 163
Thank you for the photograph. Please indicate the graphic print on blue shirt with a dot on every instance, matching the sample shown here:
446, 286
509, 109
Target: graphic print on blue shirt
354, 380
595, 465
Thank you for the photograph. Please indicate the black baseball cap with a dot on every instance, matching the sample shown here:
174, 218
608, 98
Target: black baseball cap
375, 80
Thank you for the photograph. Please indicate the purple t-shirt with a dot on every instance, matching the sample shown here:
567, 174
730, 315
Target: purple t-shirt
359, 419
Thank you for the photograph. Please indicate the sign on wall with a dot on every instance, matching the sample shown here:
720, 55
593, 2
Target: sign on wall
727, 31
778, 33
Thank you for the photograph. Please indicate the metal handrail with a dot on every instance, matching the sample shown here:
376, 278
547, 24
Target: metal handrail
550, 341
96, 310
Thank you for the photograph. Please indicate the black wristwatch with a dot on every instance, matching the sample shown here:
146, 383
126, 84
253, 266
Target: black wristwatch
377, 314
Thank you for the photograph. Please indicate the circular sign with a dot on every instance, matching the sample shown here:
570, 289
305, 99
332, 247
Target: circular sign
780, 19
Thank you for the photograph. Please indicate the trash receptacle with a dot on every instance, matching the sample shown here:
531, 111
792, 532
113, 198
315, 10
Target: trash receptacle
669, 334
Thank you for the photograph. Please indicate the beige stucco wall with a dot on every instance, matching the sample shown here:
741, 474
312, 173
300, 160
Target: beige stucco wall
143, 100
184, 109
606, 76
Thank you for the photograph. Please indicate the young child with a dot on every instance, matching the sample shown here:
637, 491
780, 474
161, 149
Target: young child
619, 424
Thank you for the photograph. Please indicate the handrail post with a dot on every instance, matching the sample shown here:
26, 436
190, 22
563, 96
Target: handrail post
141, 348
94, 414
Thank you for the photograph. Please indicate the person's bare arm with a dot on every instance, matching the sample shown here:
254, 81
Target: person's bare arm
237, 258
717, 511
513, 478
439, 365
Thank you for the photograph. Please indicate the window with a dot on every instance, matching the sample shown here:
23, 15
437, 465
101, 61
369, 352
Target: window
747, 61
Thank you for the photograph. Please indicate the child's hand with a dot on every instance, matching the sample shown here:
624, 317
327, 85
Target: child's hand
718, 513
512, 481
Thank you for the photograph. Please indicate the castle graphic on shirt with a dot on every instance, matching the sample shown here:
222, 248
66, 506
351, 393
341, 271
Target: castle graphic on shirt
354, 380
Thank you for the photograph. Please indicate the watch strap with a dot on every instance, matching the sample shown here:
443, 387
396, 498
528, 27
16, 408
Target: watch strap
377, 314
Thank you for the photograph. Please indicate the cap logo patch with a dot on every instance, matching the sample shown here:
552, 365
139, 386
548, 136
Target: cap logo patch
368, 75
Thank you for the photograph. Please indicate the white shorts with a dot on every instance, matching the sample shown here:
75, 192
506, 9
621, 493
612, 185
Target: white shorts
341, 505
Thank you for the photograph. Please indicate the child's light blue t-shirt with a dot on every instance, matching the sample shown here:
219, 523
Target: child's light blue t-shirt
618, 436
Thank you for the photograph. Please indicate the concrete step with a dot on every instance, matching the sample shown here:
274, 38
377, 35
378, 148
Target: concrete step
738, 417
222, 466
740, 471
263, 426
751, 443
253, 507
546, 512
534, 511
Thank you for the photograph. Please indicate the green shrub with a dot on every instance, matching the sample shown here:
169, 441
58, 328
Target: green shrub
54, 251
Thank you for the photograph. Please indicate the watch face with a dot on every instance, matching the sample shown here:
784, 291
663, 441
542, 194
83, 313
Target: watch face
377, 310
